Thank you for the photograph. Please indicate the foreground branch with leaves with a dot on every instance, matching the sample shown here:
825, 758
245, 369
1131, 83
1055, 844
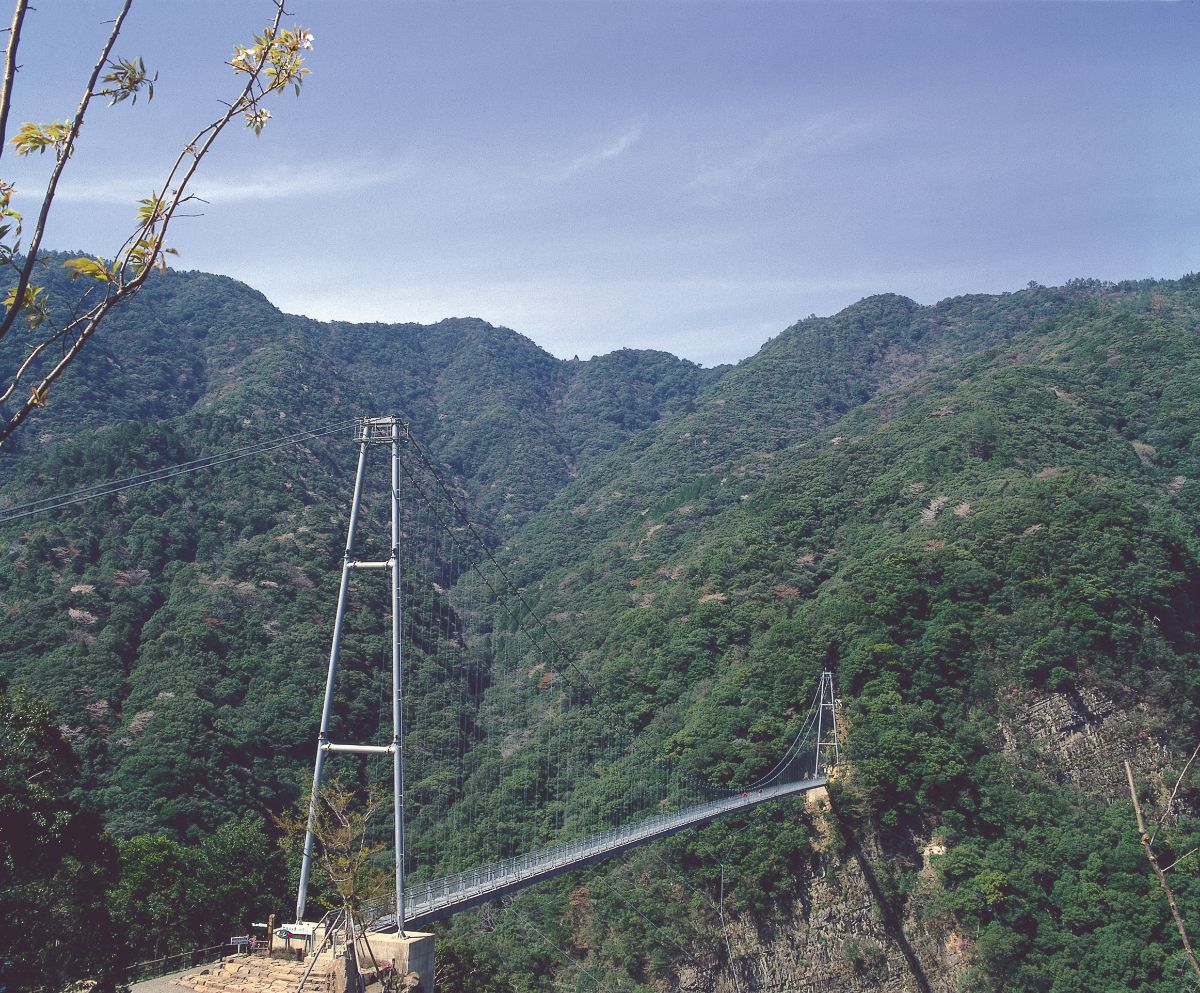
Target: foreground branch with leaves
345, 851
272, 63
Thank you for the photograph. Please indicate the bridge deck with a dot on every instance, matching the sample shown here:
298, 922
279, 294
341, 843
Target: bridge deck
437, 898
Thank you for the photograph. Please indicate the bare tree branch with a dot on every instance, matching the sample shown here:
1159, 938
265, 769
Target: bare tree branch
1171, 799
10, 67
1162, 879
63, 154
340, 822
272, 64
1180, 859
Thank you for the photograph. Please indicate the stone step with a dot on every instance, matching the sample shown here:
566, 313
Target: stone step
259, 975
317, 984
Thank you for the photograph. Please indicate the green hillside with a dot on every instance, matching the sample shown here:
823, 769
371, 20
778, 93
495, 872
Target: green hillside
510, 420
983, 528
958, 508
509, 423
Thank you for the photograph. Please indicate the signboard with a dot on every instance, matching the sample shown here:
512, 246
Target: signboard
301, 929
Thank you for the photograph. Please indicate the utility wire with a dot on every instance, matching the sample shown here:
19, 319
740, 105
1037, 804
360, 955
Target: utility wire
97, 490
553, 944
146, 476
718, 908
487, 552
725, 934
613, 890
678, 875
721, 904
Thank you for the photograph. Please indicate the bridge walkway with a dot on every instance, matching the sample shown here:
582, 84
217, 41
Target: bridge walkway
435, 899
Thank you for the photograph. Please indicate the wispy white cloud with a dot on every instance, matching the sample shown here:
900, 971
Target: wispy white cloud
610, 150
275, 184
772, 156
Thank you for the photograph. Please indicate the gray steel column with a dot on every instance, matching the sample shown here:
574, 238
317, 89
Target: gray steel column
826, 701
833, 719
335, 648
397, 685
820, 714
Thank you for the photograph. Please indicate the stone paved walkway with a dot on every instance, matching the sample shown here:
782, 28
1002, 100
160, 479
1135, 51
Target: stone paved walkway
164, 984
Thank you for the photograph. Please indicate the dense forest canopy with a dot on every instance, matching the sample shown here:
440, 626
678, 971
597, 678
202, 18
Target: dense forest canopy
962, 509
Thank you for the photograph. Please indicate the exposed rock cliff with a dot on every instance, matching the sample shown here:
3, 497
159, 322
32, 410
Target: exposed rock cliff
853, 928
845, 931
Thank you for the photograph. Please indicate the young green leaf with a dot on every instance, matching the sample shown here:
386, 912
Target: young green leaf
38, 137
87, 267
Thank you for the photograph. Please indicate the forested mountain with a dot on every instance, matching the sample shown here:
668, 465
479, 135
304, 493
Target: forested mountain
1006, 509
177, 630
967, 510
991, 525
514, 422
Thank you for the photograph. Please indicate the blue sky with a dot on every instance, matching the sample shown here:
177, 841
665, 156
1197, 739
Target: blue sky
691, 176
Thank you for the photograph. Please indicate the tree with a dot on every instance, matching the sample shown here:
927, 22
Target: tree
153, 897
55, 860
1152, 858
343, 847
272, 63
172, 897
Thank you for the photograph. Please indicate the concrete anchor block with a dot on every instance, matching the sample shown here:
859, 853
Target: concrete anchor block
412, 953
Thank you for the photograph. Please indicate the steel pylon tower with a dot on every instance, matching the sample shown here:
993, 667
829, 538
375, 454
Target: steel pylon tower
827, 739
369, 432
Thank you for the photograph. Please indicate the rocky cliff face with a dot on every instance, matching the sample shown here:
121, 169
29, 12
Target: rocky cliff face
849, 931
845, 932
1083, 737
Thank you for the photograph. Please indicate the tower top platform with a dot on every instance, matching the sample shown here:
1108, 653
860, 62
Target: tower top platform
380, 429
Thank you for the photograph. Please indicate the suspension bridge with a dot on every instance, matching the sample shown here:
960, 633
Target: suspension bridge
508, 760
439, 898
506, 765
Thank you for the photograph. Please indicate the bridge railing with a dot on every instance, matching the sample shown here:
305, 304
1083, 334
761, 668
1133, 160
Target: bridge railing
436, 894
